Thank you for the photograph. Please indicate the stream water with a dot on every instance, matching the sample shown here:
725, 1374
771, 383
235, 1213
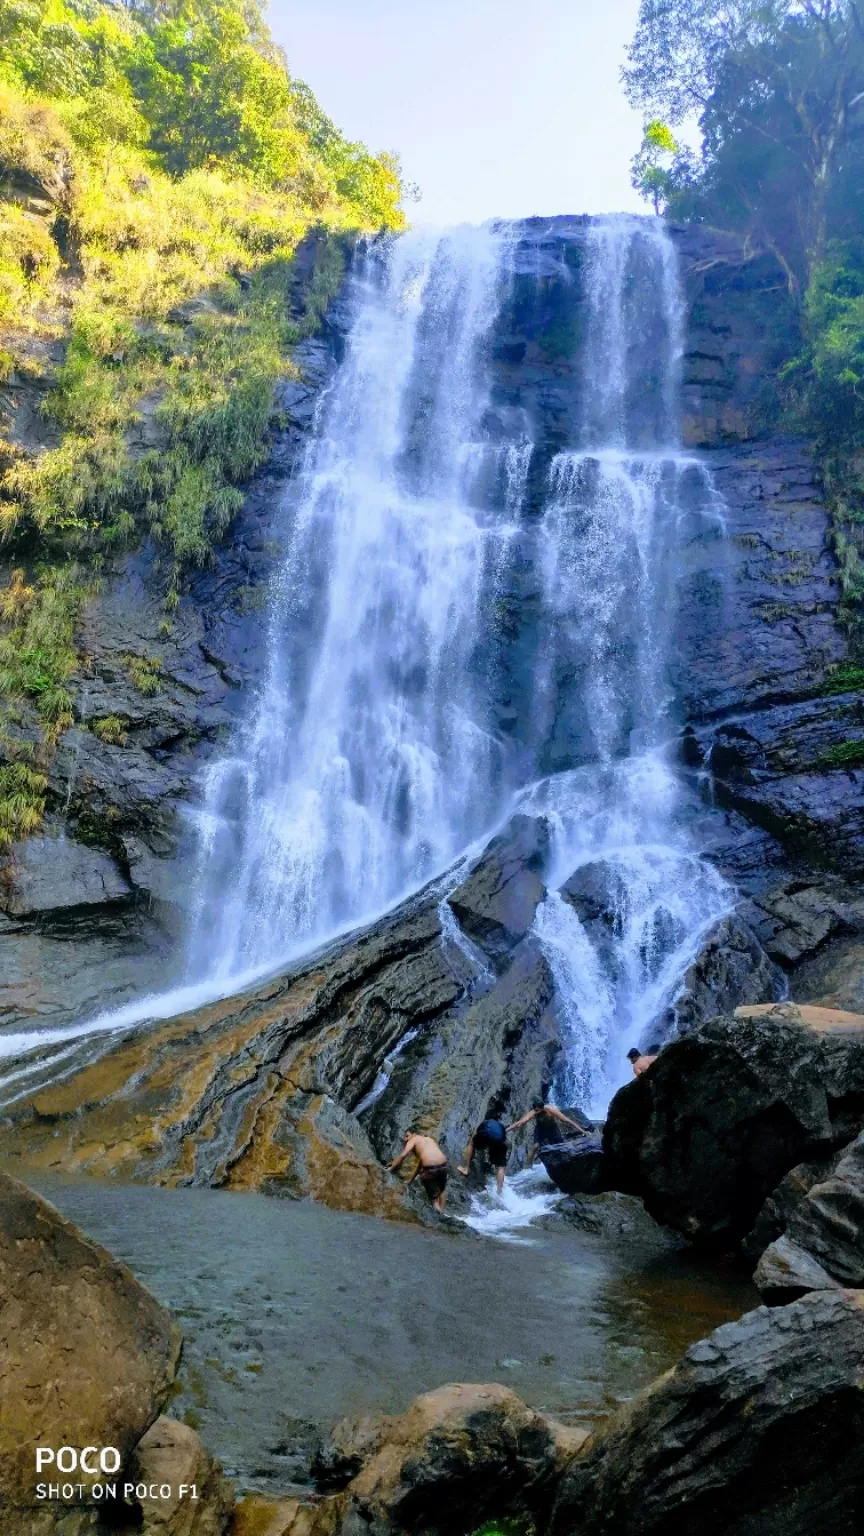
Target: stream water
294, 1316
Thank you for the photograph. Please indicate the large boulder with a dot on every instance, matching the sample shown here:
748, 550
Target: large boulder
87, 1356
823, 1245
496, 903
708, 1132
758, 1431
576, 1166
458, 1456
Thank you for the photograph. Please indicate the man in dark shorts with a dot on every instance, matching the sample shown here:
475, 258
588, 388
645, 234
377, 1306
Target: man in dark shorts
548, 1121
431, 1166
490, 1137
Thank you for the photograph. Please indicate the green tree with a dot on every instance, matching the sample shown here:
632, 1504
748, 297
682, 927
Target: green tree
778, 89
651, 167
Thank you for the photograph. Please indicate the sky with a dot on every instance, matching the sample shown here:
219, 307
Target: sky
497, 108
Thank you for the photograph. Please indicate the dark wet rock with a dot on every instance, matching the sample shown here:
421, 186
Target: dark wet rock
346, 1448
776, 1213
52, 874
786, 1271
827, 1227
757, 1430
818, 817
501, 1047
496, 903
577, 1166
757, 600
834, 976
597, 892
707, 1133
609, 1214
731, 968
87, 1356
796, 919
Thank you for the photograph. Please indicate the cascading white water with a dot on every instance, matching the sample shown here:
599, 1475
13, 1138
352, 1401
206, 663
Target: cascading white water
374, 756
608, 551
371, 760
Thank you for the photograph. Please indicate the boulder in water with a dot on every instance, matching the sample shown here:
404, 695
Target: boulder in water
496, 902
758, 1429
576, 1166
596, 892
708, 1132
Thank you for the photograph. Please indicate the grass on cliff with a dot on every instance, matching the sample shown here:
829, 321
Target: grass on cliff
158, 169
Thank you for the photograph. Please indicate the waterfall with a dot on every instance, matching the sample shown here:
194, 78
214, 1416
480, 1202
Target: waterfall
371, 760
403, 716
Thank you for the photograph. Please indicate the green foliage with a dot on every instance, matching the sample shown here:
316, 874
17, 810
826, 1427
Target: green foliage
651, 169
22, 801
846, 754
145, 673
158, 168
110, 729
847, 678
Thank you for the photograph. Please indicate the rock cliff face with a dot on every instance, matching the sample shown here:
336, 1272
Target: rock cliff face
308, 1081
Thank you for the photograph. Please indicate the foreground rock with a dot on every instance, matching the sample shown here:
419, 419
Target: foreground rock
87, 1356
170, 1456
823, 1245
709, 1131
458, 1456
757, 1432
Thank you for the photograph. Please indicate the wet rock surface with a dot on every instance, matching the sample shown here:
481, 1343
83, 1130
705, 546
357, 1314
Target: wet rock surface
707, 1133
87, 1355
679, 1458
576, 1166
826, 1228
496, 903
732, 967
308, 1083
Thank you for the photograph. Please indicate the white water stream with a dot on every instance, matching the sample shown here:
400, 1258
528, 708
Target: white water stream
374, 757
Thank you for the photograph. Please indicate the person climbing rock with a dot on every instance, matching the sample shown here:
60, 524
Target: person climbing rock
548, 1120
638, 1062
431, 1166
490, 1138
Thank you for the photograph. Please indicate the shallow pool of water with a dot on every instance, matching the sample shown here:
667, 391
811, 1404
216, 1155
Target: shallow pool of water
294, 1315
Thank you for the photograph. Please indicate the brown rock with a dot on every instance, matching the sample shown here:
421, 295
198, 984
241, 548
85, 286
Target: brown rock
459, 1455
756, 1432
170, 1456
87, 1356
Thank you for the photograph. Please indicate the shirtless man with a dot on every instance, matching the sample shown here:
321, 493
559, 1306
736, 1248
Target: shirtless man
638, 1062
431, 1166
548, 1119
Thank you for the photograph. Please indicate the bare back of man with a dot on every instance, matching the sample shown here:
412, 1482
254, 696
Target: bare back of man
431, 1166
